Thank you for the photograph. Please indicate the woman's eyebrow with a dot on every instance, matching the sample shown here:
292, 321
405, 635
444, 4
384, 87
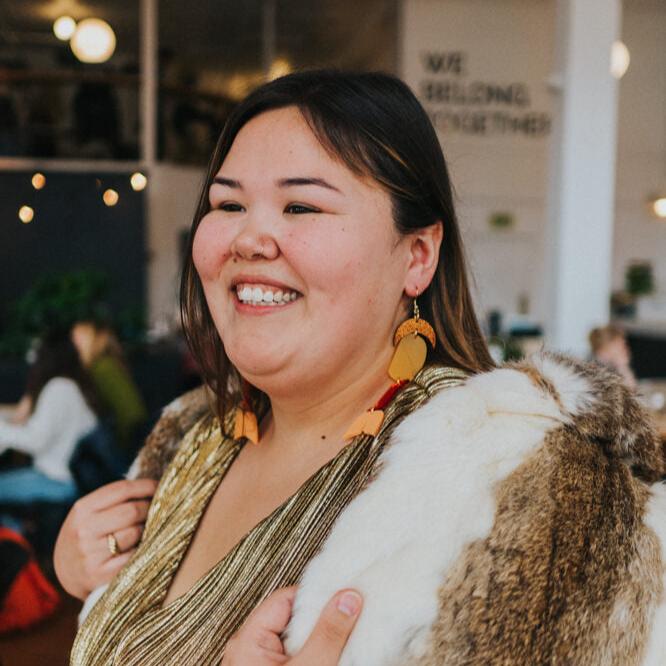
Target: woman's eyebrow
283, 182
320, 182
228, 182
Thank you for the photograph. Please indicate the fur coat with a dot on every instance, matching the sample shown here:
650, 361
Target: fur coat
518, 518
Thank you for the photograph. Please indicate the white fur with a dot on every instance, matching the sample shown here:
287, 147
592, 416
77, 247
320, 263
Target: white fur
573, 389
655, 518
433, 495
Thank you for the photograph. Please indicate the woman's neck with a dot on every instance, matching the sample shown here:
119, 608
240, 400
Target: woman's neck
326, 414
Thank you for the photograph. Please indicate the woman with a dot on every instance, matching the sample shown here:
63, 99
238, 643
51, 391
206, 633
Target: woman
62, 410
485, 516
103, 357
608, 345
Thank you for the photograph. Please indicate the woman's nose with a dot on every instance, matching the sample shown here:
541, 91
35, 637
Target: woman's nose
251, 245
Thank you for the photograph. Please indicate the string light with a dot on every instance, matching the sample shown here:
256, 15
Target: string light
110, 197
138, 181
38, 180
64, 27
26, 214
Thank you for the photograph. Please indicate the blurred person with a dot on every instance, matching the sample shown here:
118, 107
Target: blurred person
608, 345
355, 446
61, 407
102, 355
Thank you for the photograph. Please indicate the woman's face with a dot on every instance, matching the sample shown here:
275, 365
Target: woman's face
301, 266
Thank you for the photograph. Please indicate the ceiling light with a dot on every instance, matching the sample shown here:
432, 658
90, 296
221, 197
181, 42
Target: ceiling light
26, 214
94, 41
110, 197
620, 59
64, 27
138, 181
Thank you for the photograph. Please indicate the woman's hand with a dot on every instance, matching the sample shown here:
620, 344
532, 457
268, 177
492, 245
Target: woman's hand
257, 642
82, 557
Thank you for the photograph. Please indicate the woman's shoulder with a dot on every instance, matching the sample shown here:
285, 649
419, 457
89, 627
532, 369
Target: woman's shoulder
60, 389
588, 398
177, 419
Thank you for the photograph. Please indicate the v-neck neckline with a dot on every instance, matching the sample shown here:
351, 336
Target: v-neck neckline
201, 580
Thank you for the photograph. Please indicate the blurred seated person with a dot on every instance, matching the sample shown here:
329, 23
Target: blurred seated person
61, 408
609, 346
103, 357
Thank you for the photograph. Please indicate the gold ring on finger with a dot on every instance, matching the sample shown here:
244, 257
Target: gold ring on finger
112, 544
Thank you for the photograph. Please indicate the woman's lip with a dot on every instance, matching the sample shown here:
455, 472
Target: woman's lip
258, 279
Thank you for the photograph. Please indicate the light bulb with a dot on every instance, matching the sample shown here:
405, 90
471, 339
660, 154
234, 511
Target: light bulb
138, 181
659, 207
110, 197
38, 180
26, 214
94, 41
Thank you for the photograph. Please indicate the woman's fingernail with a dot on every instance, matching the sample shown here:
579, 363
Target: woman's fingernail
349, 603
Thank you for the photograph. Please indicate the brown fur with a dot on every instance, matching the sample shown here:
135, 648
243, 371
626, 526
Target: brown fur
569, 573
165, 438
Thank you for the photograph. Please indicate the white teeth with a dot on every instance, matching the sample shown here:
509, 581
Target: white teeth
257, 296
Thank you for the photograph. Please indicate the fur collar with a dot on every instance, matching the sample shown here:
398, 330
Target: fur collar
512, 521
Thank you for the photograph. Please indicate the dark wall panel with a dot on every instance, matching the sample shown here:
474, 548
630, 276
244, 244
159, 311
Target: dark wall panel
72, 230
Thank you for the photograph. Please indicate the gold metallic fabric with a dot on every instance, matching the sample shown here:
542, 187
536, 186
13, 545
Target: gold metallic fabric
129, 624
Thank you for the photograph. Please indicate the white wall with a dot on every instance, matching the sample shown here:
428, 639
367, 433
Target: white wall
513, 40
506, 42
641, 164
173, 193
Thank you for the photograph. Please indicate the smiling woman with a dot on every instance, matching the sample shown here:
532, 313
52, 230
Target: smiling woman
463, 505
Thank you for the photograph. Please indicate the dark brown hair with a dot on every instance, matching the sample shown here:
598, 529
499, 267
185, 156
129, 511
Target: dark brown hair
58, 357
374, 124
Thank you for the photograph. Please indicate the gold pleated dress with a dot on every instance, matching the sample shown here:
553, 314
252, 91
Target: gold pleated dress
129, 624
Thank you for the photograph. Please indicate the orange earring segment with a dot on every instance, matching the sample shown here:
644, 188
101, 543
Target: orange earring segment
371, 421
245, 423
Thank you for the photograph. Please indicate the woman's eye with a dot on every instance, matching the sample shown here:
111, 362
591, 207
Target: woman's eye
300, 209
230, 207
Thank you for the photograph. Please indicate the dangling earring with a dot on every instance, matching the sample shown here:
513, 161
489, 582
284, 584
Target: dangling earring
410, 348
245, 424
408, 358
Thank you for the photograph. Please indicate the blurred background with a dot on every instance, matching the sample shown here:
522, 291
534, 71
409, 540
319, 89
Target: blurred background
551, 113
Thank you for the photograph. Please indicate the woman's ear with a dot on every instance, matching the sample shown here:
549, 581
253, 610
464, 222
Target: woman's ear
424, 257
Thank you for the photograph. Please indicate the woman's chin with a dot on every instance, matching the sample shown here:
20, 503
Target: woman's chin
259, 364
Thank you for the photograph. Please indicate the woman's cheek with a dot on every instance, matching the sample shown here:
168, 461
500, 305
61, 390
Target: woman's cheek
209, 249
